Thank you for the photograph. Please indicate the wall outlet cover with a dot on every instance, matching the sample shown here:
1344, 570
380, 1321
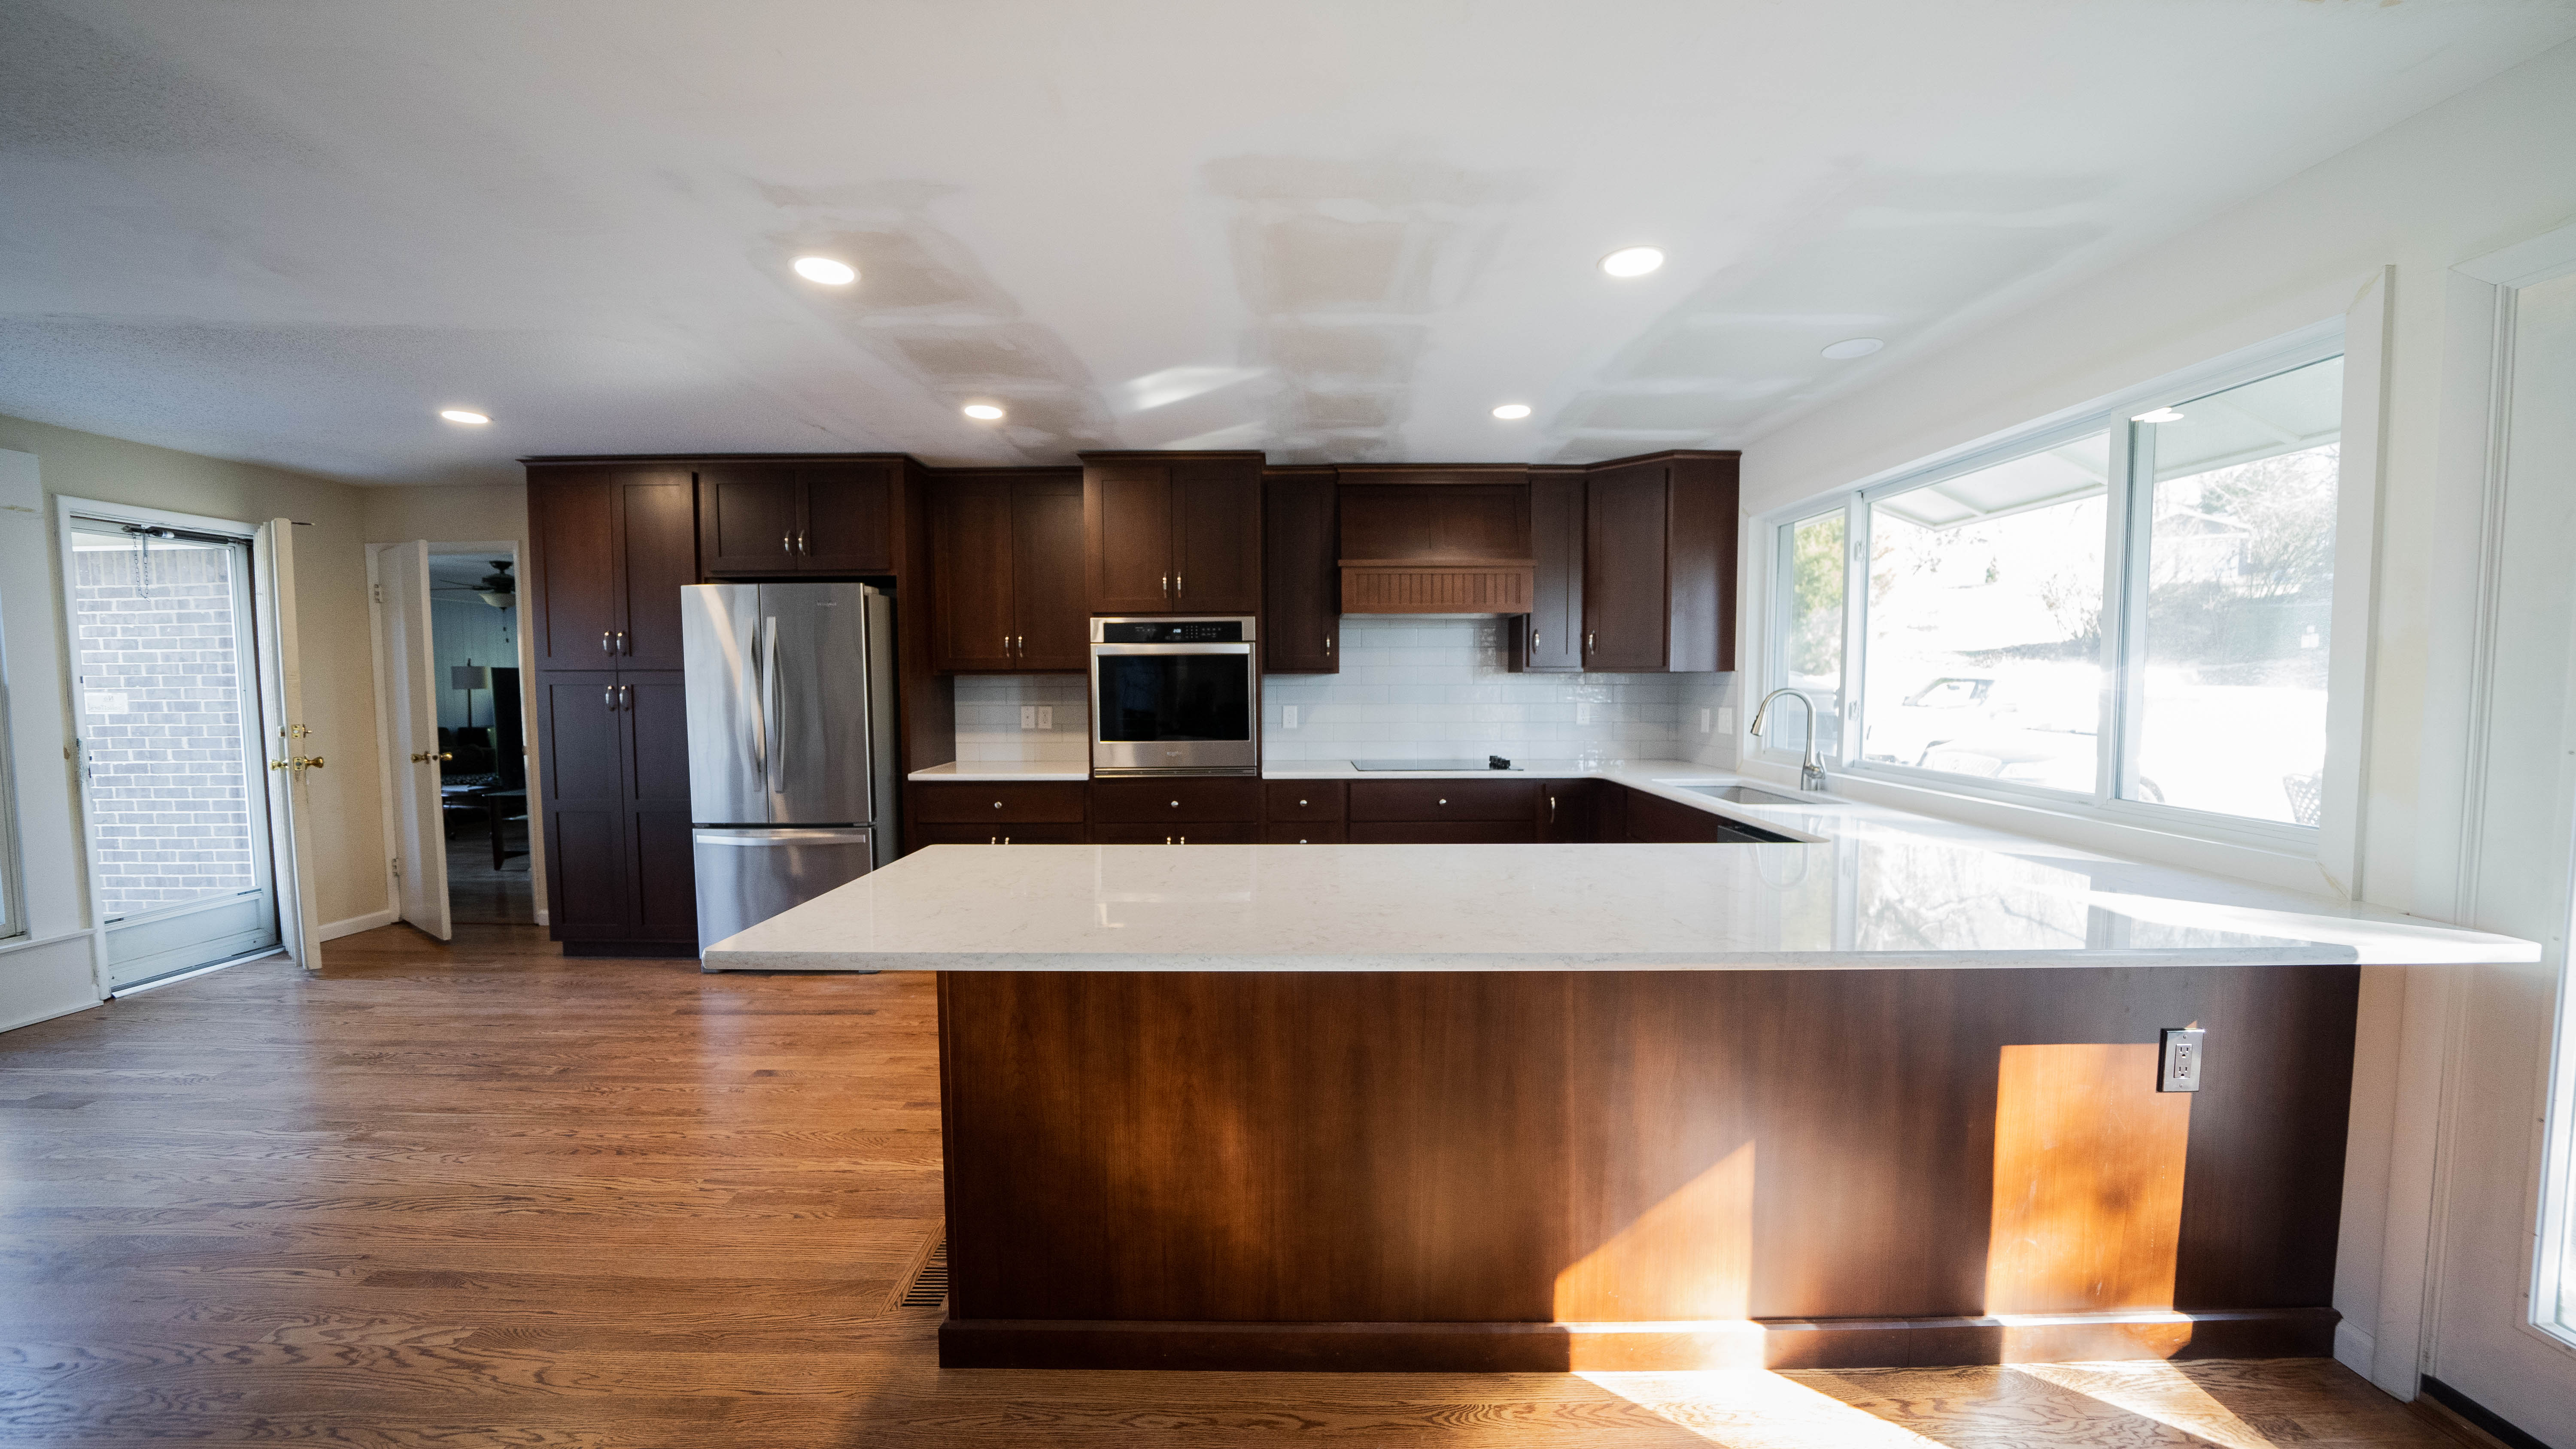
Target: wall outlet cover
1726, 721
1046, 716
1028, 716
1703, 721
1287, 716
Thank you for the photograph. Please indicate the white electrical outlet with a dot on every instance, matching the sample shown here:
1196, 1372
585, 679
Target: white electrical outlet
1703, 721
1028, 716
1046, 716
1287, 716
1726, 721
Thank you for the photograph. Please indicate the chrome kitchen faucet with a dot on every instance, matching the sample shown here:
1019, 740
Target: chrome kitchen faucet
1811, 772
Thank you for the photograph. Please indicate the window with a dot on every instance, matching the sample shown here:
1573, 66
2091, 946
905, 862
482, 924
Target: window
13, 917
2130, 606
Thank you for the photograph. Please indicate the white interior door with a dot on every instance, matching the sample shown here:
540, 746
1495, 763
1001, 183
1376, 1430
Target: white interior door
411, 709
290, 745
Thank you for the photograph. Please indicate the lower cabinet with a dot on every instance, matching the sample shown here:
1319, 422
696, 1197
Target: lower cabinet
1179, 832
1176, 800
1305, 832
1441, 832
619, 880
1443, 812
1001, 833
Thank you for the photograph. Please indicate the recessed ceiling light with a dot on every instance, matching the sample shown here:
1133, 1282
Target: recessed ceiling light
981, 412
1632, 261
1851, 347
826, 271
1512, 412
2160, 415
461, 415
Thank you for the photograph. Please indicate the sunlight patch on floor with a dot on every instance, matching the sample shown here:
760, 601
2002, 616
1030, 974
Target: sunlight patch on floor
2153, 1390
1757, 1409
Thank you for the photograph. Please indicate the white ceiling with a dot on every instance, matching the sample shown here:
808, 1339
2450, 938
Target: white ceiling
289, 232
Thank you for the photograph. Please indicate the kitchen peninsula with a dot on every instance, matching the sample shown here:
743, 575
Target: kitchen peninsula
1885, 1093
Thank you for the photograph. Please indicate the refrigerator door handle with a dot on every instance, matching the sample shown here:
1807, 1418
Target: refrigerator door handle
759, 718
773, 727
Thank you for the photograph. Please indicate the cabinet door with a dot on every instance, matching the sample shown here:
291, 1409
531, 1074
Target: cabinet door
848, 521
1301, 575
579, 730
1216, 527
1623, 570
1049, 619
657, 557
1652, 819
971, 618
748, 521
1549, 639
1565, 812
1127, 537
1179, 833
572, 609
656, 780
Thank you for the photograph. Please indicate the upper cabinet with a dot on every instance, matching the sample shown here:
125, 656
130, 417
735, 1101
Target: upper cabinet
1170, 533
1658, 585
1301, 577
782, 516
612, 546
1549, 638
1007, 563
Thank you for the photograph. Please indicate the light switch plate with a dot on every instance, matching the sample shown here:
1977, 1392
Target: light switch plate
1726, 721
2178, 1069
1046, 716
1028, 716
1703, 721
1287, 716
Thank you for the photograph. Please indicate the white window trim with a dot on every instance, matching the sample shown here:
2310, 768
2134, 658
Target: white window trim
2325, 857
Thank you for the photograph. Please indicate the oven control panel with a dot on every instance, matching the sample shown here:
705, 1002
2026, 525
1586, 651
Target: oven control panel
1171, 631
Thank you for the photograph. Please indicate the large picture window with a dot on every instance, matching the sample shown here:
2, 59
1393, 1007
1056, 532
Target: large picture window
2132, 609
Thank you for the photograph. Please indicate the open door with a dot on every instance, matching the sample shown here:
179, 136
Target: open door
411, 709
287, 741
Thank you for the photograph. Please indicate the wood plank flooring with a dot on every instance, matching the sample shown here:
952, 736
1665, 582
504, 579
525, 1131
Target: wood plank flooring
479, 1194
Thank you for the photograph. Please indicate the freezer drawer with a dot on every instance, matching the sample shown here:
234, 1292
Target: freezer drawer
747, 876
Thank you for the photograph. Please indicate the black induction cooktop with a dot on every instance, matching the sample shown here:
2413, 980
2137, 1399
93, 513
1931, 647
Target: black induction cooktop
1488, 763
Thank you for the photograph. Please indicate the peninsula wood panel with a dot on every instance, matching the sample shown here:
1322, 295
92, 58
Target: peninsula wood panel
1527, 1148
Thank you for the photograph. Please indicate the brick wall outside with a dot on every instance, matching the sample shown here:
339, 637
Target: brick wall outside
166, 774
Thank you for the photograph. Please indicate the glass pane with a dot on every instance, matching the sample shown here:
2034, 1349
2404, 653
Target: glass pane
1147, 697
2240, 597
163, 704
1813, 649
1985, 621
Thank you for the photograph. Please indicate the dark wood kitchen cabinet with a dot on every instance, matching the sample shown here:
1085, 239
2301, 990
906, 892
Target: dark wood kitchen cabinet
1659, 564
1170, 533
769, 516
615, 803
1007, 574
1301, 576
1549, 638
611, 547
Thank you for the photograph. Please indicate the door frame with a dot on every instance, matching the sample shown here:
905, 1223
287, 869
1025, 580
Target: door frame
518, 555
260, 685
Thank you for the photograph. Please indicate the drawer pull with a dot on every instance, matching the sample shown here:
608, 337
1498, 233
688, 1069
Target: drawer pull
1176, 804
1444, 802
997, 804
1301, 804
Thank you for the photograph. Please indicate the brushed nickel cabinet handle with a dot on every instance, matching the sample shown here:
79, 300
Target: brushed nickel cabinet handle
1551, 810
608, 696
1177, 585
1328, 643
1167, 588
622, 646
1185, 840
997, 804
801, 550
603, 642
626, 696
1588, 637
786, 543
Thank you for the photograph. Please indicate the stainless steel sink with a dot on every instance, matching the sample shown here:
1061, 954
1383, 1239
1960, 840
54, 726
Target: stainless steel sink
1747, 795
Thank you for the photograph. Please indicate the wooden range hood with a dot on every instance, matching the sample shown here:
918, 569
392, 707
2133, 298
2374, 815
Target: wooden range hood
1450, 541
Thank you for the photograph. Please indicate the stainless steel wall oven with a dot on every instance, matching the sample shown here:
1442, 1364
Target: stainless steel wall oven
1174, 696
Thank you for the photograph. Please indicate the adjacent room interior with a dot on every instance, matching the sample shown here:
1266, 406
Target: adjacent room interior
1642, 724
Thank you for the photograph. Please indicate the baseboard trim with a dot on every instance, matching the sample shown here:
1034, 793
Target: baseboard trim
1641, 1347
2470, 1421
334, 930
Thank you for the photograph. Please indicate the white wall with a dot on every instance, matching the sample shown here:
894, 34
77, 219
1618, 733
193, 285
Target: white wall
2488, 168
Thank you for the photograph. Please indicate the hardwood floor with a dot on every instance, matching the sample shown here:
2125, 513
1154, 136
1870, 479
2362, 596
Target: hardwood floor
480, 1194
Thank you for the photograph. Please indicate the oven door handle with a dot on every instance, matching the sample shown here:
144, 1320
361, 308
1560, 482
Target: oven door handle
1154, 649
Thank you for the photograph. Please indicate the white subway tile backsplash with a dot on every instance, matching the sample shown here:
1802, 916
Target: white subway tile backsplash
1429, 688
988, 717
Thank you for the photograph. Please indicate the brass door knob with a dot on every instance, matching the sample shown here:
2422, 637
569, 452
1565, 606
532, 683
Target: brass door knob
425, 756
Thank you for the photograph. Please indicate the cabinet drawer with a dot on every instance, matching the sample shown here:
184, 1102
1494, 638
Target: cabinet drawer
1444, 800
1222, 832
1002, 833
1301, 799
1442, 832
1170, 800
1298, 832
1059, 801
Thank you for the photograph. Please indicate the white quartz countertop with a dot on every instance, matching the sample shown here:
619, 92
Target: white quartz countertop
1870, 886
988, 771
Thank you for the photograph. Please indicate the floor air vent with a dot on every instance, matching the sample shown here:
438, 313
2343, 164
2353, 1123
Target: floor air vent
927, 1286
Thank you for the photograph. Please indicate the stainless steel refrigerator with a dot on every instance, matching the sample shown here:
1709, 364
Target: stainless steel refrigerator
791, 744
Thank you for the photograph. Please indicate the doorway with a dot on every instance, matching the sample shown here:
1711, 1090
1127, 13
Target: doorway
483, 779
167, 674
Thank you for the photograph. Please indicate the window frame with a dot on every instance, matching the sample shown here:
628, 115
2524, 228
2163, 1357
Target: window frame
2124, 580
13, 902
